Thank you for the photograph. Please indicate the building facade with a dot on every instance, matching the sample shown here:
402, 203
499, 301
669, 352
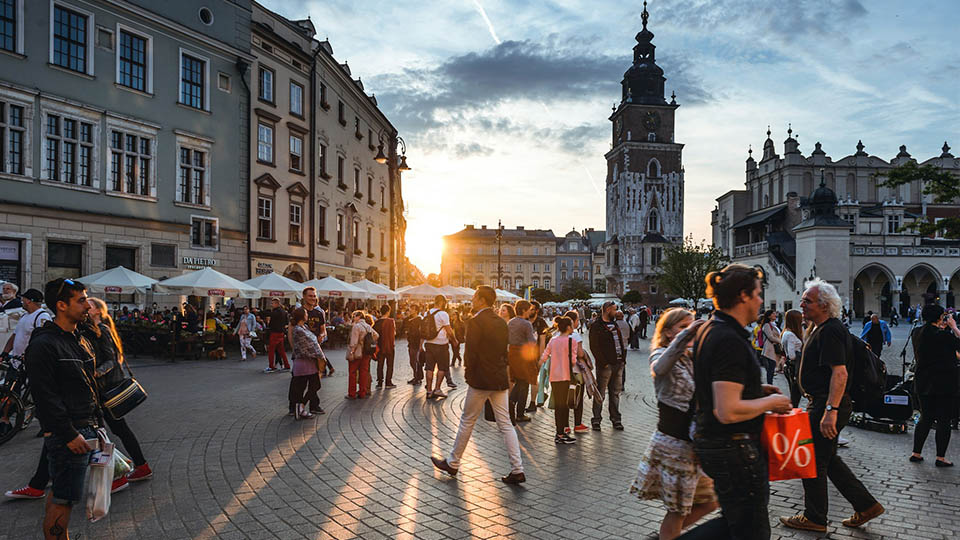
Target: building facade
124, 129
803, 216
595, 240
574, 260
644, 187
527, 257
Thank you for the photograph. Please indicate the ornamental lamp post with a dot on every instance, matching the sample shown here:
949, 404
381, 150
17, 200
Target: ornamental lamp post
395, 167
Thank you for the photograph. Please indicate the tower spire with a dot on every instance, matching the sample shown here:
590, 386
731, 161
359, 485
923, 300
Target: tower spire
645, 15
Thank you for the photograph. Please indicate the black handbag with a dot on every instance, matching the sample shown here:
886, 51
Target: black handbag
124, 397
488, 412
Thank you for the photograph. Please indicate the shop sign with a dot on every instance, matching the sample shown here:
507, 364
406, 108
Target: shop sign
9, 250
334, 293
113, 289
198, 263
215, 292
263, 268
276, 293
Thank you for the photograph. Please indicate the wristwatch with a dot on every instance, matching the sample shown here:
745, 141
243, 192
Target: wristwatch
830, 408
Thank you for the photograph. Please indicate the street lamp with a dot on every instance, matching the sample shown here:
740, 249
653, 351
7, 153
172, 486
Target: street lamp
381, 158
499, 252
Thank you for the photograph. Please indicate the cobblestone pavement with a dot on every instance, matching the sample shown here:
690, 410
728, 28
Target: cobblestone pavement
229, 463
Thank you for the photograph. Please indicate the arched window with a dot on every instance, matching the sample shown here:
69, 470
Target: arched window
851, 186
653, 168
653, 222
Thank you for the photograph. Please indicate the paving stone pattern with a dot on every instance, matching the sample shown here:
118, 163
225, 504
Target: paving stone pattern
230, 464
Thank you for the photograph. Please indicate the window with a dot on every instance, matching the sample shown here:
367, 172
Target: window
356, 236
383, 253
192, 178
64, 260
563, 263
11, 27
536, 283
546, 283
849, 218
323, 97
69, 150
356, 181
536, 250
264, 218
340, 240
653, 169
370, 190
576, 275
223, 81
369, 242
193, 77
656, 255
265, 85
163, 255
519, 283
296, 213
70, 40
133, 61
322, 219
597, 270
546, 267
519, 251
572, 246
296, 152
340, 183
341, 113
323, 161
203, 233
131, 163
12, 137
893, 223
563, 275
653, 289
653, 222
264, 143
115, 256
383, 199
296, 99
536, 267
519, 267
479, 267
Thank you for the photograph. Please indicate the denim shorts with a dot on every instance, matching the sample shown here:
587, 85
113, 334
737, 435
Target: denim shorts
67, 470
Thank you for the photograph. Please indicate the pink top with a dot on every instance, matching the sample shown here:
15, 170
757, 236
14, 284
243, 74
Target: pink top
558, 352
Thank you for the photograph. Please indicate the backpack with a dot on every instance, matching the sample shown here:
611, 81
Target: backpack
429, 328
868, 375
369, 344
758, 336
413, 328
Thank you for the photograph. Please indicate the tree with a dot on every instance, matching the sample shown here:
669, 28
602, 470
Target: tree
632, 297
543, 295
944, 186
575, 289
434, 279
685, 267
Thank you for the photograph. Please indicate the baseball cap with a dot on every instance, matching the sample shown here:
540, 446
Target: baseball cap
33, 295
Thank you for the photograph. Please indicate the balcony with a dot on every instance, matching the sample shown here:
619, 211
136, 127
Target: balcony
750, 250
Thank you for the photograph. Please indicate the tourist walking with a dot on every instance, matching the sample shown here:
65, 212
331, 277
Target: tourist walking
276, 335
387, 330
358, 381
730, 403
609, 348
36, 317
521, 355
669, 470
245, 330
307, 358
792, 347
485, 370
936, 346
543, 331
827, 351
412, 325
560, 354
877, 334
437, 336
317, 323
771, 342
644, 321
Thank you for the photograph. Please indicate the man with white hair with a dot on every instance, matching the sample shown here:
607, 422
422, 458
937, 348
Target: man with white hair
827, 352
8, 296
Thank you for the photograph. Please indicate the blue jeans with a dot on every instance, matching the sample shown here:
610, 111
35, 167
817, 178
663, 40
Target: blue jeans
67, 470
739, 472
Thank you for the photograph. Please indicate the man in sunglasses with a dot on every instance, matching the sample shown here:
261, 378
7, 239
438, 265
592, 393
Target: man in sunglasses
65, 401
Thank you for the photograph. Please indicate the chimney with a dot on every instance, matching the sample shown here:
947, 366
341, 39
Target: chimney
519, 227
484, 227
469, 227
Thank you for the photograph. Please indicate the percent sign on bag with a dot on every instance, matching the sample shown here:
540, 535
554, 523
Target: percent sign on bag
789, 444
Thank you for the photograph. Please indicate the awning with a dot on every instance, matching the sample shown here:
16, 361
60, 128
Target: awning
760, 217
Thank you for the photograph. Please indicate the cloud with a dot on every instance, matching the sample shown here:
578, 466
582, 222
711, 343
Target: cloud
427, 97
473, 149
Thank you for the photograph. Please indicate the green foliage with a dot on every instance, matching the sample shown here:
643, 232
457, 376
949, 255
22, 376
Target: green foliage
599, 285
944, 186
575, 289
544, 295
632, 297
686, 265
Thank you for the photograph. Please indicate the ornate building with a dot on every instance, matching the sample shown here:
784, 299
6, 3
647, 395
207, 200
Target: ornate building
644, 189
802, 216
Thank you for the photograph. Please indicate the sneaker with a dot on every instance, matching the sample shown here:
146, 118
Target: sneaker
305, 414
582, 428
318, 410
26, 493
514, 478
389, 385
595, 427
268, 370
569, 439
119, 484
618, 426
859, 518
566, 430
140, 473
801, 522
562, 439
841, 442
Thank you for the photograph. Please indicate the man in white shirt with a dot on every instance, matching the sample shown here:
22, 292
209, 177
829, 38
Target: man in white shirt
437, 347
35, 318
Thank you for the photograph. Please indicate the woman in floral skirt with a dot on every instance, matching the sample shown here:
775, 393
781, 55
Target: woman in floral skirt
669, 470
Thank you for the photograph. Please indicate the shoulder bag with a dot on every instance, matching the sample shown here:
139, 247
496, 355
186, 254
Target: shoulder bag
124, 397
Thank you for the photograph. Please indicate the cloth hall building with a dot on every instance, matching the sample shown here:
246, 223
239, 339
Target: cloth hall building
802, 216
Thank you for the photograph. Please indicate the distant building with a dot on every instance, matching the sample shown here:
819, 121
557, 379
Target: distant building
527, 257
801, 216
644, 188
595, 240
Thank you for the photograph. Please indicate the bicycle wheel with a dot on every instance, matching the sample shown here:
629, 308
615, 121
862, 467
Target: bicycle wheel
29, 409
11, 415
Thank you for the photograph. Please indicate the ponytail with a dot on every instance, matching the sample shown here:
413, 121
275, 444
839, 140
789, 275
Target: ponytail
725, 286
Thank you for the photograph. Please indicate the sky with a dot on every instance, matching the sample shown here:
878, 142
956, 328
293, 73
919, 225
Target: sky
504, 104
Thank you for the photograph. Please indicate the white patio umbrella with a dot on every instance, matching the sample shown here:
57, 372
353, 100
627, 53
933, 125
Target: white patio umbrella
274, 285
334, 288
375, 291
206, 282
117, 280
404, 288
455, 293
679, 302
421, 292
468, 291
506, 296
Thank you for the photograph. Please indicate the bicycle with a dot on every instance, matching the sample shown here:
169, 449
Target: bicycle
16, 402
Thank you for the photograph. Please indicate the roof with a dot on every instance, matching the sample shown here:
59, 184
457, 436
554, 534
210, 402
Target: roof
596, 237
654, 238
760, 217
513, 234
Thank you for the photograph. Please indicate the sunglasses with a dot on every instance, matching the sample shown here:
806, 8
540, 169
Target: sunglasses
65, 282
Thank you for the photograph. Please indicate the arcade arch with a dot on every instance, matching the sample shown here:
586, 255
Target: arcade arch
873, 290
921, 285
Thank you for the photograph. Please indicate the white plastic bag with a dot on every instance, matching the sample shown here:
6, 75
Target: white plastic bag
101, 478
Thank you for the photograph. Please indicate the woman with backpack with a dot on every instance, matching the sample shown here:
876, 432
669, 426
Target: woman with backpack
769, 340
362, 347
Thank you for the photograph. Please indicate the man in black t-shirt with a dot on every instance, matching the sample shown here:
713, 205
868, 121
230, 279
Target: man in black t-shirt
609, 348
276, 336
827, 356
317, 323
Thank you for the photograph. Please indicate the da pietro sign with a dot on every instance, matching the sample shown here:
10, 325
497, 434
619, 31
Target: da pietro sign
198, 263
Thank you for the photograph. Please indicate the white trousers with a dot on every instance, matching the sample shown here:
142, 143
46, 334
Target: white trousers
244, 345
472, 409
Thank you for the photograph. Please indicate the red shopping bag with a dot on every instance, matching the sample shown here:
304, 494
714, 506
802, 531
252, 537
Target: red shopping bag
789, 445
